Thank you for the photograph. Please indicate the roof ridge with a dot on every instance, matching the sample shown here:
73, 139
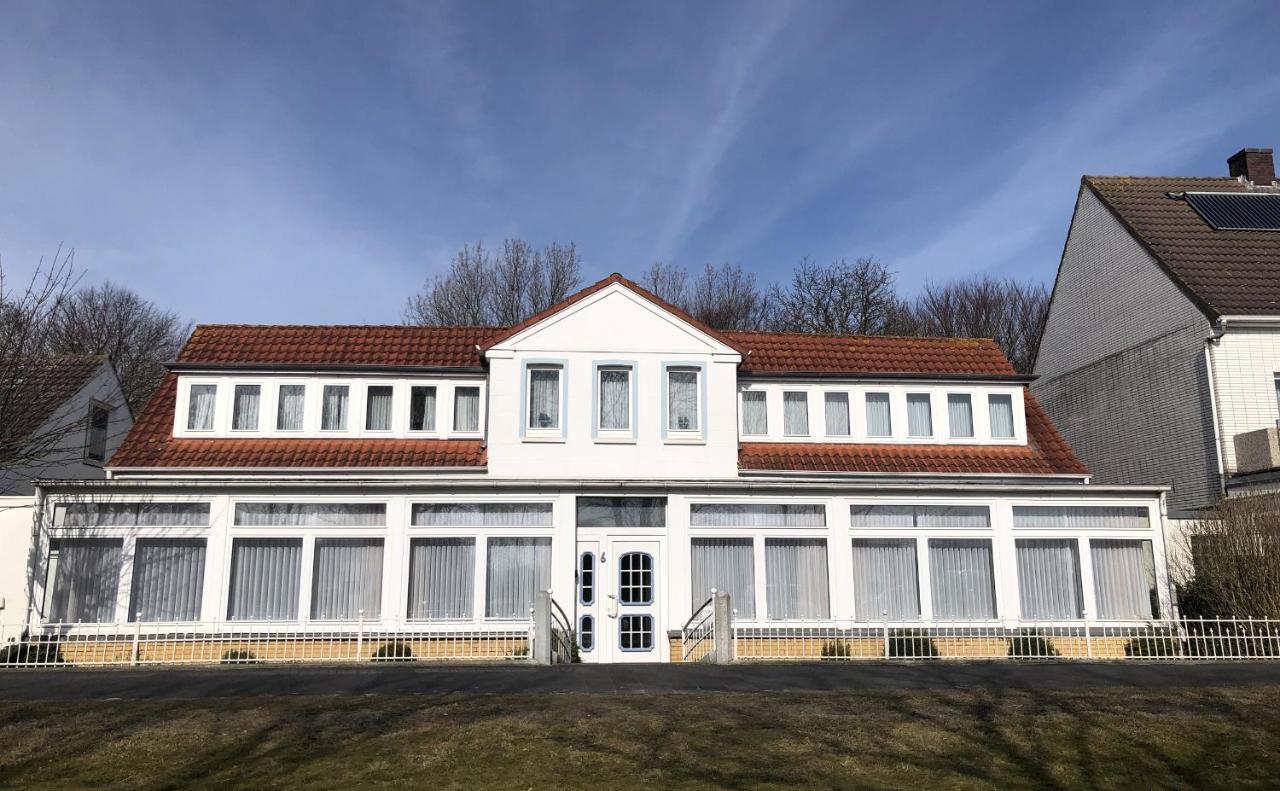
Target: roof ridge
869, 336
350, 326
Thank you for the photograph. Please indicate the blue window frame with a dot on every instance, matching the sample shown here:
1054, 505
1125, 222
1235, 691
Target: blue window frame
635, 632
587, 633
587, 578
635, 578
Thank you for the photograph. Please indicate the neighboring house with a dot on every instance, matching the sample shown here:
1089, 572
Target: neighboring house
1160, 356
612, 450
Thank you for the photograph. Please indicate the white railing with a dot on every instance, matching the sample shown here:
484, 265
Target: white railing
228, 643
698, 636
1182, 639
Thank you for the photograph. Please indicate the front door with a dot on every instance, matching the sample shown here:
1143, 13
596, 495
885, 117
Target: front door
632, 628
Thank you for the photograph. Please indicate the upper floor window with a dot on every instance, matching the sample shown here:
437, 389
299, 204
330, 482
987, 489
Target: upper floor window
960, 414
795, 414
244, 409
879, 417
614, 409
377, 408
290, 407
837, 414
422, 408
683, 399
466, 409
544, 397
919, 415
201, 399
1001, 409
95, 446
755, 407
333, 412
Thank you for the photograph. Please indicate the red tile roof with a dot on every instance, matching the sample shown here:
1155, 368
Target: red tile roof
151, 444
1224, 272
1047, 454
391, 345
771, 352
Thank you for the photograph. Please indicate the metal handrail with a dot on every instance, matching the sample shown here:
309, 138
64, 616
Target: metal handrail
710, 600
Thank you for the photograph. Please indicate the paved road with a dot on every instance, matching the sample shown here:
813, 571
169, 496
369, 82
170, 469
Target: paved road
177, 683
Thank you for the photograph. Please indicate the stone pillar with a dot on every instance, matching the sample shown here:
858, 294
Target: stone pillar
542, 638
724, 628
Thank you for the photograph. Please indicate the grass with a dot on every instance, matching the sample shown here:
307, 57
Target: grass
1114, 738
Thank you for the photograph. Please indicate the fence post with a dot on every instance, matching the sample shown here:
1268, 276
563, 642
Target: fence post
542, 628
137, 634
1088, 637
359, 635
885, 635
723, 628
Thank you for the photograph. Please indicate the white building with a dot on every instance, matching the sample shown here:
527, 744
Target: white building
611, 450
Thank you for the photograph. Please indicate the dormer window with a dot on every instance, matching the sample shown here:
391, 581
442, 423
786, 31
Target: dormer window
755, 412
795, 414
377, 409
200, 401
879, 417
422, 408
919, 415
544, 397
960, 414
1001, 408
682, 399
466, 409
837, 414
290, 407
333, 410
244, 410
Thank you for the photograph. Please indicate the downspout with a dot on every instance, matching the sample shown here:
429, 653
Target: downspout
1214, 336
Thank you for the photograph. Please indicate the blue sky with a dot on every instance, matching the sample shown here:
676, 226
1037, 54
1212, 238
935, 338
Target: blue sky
304, 162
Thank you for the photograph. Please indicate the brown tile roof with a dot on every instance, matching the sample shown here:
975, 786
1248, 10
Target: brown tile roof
1047, 454
45, 384
769, 352
391, 345
151, 444
1224, 272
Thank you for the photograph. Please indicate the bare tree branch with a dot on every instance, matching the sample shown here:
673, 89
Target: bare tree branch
837, 299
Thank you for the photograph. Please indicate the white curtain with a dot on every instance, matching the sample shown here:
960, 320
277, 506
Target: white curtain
244, 412
333, 415
682, 400
963, 582
960, 413
290, 407
879, 418
919, 415
132, 514
885, 581
1049, 579
757, 515
346, 578
1124, 578
1001, 409
796, 578
1081, 517
544, 398
622, 511
615, 399
482, 514
919, 516
86, 580
442, 574
265, 575
755, 412
726, 564
168, 579
311, 514
200, 407
466, 409
377, 408
422, 409
795, 414
518, 568
837, 414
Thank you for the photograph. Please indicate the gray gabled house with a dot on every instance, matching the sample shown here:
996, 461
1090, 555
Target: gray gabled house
1160, 356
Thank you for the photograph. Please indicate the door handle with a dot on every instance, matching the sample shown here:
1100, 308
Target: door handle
613, 606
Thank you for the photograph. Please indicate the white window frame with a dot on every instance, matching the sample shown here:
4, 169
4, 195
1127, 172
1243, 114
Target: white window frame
274, 405
184, 407
849, 410
364, 412
529, 432
480, 410
742, 411
262, 403
685, 436
88, 433
598, 432
808, 427
408, 409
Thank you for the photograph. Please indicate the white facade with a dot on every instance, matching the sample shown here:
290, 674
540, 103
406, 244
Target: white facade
1245, 361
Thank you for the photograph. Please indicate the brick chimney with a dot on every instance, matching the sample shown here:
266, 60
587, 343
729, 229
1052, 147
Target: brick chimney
1255, 164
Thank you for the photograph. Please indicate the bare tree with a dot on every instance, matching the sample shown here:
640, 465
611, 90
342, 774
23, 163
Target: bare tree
727, 298
840, 298
1229, 565
1009, 311
134, 332
668, 281
456, 298
558, 276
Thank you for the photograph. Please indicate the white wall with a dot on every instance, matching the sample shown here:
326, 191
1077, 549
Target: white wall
1245, 364
16, 514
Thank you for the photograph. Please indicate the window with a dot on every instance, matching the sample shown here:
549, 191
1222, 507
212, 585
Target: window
482, 514
422, 408
346, 579
200, 407
333, 412
544, 398
635, 578
879, 417
1049, 578
960, 414
919, 415
441, 578
587, 632
1124, 579
755, 412
168, 579
963, 582
682, 399
615, 399
726, 564
587, 578
795, 414
885, 581
86, 579
795, 577
244, 407
131, 514
635, 632
377, 408
466, 409
837, 414
1001, 409
95, 446
757, 515
1081, 517
310, 514
518, 568
622, 511
969, 516
290, 407
265, 575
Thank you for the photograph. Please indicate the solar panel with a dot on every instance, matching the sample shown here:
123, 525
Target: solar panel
1238, 211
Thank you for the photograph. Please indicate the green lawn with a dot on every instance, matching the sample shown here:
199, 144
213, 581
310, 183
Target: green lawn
1114, 738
